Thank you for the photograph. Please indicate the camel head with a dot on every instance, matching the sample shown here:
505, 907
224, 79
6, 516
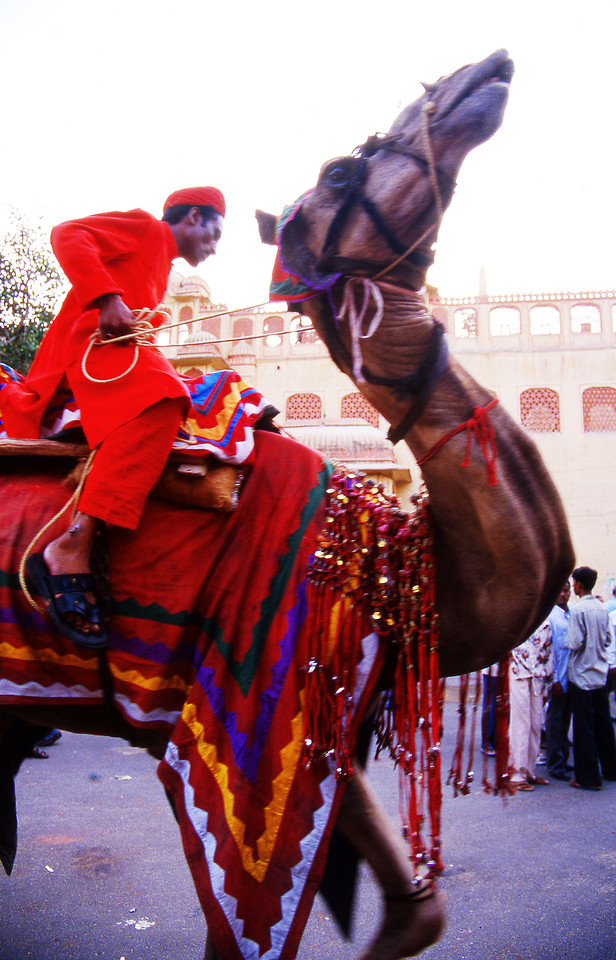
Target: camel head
384, 202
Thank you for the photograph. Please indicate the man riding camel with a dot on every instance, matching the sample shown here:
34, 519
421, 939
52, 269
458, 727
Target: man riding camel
131, 400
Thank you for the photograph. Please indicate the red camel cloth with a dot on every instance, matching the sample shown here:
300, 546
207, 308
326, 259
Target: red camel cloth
209, 641
125, 253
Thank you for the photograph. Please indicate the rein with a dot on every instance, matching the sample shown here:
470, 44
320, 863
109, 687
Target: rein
420, 383
441, 184
144, 333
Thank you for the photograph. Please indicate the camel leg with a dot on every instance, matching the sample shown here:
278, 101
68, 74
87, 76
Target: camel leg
414, 916
210, 952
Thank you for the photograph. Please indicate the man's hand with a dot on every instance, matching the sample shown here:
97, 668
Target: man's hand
115, 319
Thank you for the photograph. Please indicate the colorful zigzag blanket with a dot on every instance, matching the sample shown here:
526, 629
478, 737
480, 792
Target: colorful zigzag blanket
222, 413
209, 643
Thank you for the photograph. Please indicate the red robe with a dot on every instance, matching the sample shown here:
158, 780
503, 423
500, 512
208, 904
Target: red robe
125, 253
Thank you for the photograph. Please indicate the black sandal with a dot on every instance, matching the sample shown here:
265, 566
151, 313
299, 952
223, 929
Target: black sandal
65, 593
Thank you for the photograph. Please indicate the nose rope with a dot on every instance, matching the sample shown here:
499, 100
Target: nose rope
429, 108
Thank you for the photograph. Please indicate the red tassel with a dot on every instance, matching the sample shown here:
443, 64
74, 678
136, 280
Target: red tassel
375, 567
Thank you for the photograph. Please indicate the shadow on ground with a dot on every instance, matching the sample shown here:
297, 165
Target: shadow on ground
100, 870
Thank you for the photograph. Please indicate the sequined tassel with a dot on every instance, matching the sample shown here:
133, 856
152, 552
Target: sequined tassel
460, 781
377, 563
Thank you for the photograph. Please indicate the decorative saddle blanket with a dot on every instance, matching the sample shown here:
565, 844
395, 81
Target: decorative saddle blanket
211, 644
222, 414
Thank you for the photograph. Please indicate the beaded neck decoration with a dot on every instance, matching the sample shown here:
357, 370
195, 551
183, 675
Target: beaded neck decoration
373, 571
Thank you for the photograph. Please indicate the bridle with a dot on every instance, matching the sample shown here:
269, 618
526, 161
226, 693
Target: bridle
420, 383
354, 195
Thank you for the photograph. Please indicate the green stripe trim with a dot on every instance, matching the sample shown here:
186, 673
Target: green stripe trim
243, 671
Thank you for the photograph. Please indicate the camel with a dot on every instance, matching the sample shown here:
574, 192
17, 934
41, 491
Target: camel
364, 236
503, 548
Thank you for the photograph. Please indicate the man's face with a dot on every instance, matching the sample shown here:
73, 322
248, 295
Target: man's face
197, 240
563, 598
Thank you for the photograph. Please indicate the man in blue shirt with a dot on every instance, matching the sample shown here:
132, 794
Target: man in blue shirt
588, 639
558, 714
611, 603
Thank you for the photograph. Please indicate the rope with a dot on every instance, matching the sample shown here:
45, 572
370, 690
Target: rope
428, 108
143, 334
73, 499
349, 306
479, 425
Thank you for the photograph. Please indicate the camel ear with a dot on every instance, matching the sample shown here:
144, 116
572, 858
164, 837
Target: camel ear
267, 226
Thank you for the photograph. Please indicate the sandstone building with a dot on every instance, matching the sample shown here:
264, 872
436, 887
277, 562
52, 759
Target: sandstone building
549, 357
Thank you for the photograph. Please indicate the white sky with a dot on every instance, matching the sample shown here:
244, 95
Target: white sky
113, 105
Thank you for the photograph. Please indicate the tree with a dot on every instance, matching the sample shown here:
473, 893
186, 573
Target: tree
30, 284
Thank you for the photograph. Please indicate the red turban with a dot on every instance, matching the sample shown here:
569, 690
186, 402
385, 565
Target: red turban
198, 197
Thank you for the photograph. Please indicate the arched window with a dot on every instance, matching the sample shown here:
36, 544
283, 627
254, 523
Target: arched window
504, 321
186, 313
356, 405
599, 409
300, 334
212, 325
465, 322
544, 320
242, 329
304, 406
585, 318
273, 326
540, 410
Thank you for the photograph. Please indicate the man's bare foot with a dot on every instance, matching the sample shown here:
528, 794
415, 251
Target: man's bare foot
70, 554
411, 924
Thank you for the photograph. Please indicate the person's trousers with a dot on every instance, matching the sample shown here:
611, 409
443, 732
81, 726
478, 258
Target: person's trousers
129, 462
525, 722
488, 712
557, 722
594, 744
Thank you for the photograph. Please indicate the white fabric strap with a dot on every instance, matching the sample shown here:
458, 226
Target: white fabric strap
348, 308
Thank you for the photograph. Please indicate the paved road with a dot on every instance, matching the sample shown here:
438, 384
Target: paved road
100, 871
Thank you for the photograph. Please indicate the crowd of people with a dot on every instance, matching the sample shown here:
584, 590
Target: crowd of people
560, 681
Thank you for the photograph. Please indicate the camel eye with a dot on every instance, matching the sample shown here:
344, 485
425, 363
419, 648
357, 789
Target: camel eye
336, 175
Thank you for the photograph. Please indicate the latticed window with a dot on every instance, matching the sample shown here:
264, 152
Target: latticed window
304, 406
355, 405
540, 410
211, 325
599, 408
242, 328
